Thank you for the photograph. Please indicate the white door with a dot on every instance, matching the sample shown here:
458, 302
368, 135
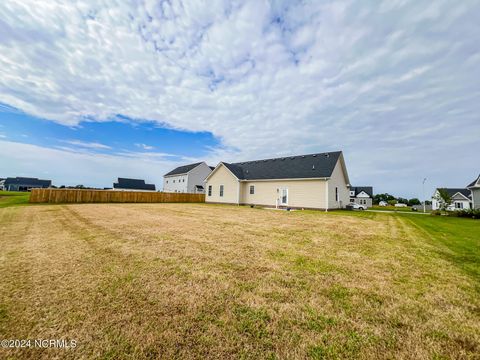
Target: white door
283, 196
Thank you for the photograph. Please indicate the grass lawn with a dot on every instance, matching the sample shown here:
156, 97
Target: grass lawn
13, 198
390, 208
194, 281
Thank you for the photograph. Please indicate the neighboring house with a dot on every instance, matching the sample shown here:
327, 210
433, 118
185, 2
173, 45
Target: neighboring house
125, 184
25, 183
383, 203
2, 182
362, 195
316, 181
187, 178
461, 199
474, 188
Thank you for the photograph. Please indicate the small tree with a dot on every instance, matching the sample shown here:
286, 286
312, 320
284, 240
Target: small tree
443, 198
382, 197
414, 201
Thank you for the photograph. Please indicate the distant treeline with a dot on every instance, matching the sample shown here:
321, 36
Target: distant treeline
392, 200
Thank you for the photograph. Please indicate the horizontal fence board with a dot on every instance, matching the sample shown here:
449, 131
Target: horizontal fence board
78, 196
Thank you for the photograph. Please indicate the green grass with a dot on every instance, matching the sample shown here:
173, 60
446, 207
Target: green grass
13, 198
196, 281
455, 239
390, 208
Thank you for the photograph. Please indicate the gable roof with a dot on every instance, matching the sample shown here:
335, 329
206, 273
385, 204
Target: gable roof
452, 191
183, 169
134, 184
474, 182
27, 181
292, 167
358, 189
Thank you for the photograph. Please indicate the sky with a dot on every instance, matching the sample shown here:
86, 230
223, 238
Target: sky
91, 91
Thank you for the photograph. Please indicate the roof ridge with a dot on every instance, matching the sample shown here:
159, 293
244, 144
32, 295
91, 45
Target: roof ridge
289, 157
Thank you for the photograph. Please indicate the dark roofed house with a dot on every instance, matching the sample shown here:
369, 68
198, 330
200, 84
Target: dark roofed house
25, 183
133, 185
362, 195
187, 178
317, 181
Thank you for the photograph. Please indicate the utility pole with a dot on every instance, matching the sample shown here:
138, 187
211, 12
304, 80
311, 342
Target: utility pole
423, 186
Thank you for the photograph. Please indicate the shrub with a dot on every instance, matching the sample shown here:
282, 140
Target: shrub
469, 213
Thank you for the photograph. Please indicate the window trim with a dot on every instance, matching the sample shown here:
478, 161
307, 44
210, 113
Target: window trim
252, 189
209, 190
222, 190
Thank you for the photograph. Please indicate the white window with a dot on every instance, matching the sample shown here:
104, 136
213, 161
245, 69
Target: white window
336, 194
252, 189
458, 205
174, 181
352, 200
221, 190
209, 190
183, 180
167, 181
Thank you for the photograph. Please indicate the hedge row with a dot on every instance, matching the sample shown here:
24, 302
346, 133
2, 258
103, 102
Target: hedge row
468, 213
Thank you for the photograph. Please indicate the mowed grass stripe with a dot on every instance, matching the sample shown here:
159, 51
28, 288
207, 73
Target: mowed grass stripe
201, 281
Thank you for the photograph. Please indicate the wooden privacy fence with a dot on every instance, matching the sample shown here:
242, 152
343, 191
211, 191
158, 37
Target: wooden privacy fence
58, 196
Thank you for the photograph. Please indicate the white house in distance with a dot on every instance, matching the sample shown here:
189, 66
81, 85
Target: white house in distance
187, 178
315, 181
474, 187
461, 199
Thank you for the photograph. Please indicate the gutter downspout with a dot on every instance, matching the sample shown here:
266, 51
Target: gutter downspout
238, 193
326, 195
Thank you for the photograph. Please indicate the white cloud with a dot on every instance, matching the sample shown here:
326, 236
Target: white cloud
145, 146
88, 145
72, 167
2, 136
267, 78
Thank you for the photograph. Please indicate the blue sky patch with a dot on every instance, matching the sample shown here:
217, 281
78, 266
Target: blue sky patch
109, 137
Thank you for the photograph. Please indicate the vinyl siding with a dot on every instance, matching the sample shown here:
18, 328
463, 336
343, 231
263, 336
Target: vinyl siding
360, 201
301, 193
197, 176
476, 198
177, 183
222, 176
338, 180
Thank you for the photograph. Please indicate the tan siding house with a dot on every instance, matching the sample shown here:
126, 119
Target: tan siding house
316, 181
223, 177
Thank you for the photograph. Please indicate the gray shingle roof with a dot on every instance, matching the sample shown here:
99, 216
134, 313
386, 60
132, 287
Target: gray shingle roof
133, 184
292, 167
182, 169
359, 189
35, 182
472, 184
452, 191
